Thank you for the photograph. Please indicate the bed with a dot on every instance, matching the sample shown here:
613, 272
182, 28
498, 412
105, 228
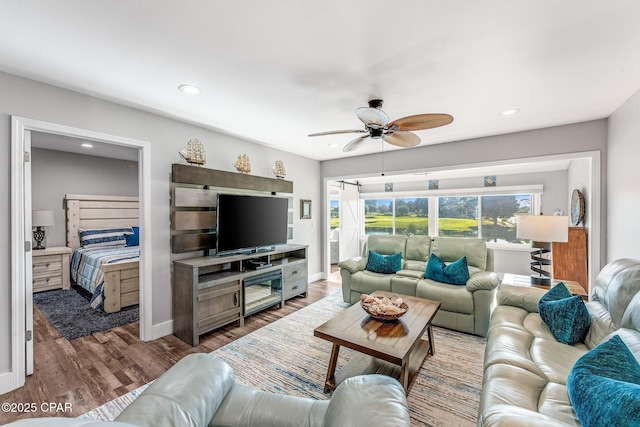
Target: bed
110, 274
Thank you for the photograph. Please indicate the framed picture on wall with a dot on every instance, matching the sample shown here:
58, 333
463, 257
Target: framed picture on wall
305, 209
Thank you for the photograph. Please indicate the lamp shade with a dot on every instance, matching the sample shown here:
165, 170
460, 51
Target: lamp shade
42, 218
541, 228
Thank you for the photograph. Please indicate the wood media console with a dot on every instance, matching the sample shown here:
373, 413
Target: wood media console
209, 292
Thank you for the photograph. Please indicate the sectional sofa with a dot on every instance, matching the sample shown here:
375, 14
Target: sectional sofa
529, 376
464, 308
200, 391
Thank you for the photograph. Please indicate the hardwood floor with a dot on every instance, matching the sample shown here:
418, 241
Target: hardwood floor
90, 371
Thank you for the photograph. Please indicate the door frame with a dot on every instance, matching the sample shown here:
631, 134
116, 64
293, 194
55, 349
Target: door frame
21, 191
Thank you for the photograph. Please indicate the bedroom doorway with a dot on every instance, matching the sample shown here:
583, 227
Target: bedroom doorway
21, 254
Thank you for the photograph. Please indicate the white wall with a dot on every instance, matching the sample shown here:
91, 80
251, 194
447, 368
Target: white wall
623, 195
27, 98
56, 173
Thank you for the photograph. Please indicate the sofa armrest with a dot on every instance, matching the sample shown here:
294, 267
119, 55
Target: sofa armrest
354, 264
483, 280
520, 296
187, 395
368, 400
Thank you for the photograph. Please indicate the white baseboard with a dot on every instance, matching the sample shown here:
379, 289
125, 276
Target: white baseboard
162, 329
8, 382
317, 276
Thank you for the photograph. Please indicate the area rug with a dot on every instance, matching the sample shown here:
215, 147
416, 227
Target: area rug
70, 313
284, 357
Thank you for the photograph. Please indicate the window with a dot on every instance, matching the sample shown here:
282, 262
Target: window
458, 216
499, 216
479, 213
335, 214
411, 216
378, 216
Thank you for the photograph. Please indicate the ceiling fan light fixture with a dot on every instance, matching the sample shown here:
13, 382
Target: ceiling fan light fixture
510, 112
190, 89
372, 116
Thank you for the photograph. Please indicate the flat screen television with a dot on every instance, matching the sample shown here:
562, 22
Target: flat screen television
250, 222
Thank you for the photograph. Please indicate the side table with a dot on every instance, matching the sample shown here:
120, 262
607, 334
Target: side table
520, 280
51, 268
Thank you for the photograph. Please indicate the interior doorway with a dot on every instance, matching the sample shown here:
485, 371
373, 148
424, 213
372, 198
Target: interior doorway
21, 193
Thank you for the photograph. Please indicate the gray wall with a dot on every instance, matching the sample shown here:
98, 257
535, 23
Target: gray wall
623, 202
27, 98
56, 173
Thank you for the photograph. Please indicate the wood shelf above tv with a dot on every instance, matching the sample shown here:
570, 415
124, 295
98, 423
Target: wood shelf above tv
193, 202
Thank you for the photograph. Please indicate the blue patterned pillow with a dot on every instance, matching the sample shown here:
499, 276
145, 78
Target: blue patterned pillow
566, 316
98, 237
604, 386
386, 264
456, 273
133, 239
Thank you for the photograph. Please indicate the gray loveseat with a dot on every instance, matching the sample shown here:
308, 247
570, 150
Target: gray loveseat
200, 391
464, 308
526, 369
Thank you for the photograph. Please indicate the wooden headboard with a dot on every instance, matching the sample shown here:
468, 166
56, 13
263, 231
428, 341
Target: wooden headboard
91, 211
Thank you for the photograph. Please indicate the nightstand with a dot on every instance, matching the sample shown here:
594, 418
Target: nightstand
51, 268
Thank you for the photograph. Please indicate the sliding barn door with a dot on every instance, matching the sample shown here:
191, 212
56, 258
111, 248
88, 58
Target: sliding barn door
349, 221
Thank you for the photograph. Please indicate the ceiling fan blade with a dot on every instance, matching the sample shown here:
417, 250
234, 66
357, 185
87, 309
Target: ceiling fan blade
356, 143
421, 121
402, 139
370, 116
333, 132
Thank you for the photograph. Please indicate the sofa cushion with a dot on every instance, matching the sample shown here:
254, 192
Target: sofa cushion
450, 249
604, 386
385, 264
565, 315
452, 298
456, 273
385, 244
366, 282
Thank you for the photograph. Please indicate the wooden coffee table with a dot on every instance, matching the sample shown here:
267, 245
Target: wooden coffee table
393, 348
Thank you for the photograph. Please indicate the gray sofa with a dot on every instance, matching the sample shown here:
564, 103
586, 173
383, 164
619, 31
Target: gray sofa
526, 369
464, 308
200, 390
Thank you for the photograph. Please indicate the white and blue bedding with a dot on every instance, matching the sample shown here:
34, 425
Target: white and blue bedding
86, 272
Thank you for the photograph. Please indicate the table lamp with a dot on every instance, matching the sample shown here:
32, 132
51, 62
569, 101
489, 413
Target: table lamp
39, 220
542, 230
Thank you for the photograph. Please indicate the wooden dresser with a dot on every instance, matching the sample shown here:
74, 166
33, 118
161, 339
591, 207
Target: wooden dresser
570, 258
51, 268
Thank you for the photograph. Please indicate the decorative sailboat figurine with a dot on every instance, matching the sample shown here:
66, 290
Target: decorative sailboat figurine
243, 164
194, 153
278, 170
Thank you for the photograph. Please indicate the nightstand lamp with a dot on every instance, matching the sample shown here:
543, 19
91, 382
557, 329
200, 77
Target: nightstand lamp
39, 220
542, 230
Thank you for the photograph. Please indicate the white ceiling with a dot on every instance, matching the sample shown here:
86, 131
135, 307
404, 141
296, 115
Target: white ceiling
273, 71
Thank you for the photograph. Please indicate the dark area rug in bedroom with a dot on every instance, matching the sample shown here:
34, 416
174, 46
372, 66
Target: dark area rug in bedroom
70, 313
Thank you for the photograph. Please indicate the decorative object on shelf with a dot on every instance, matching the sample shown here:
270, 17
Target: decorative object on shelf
490, 181
305, 209
577, 207
194, 153
383, 308
243, 164
542, 230
279, 170
388, 186
433, 184
39, 220
558, 212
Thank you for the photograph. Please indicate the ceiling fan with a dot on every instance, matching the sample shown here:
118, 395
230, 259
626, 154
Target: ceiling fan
377, 125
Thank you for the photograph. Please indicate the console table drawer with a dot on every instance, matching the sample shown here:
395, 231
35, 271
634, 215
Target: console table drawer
294, 279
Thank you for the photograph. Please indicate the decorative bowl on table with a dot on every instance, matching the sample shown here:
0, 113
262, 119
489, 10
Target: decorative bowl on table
383, 308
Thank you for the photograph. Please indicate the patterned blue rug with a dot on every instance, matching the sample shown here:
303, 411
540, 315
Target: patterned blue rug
70, 313
284, 357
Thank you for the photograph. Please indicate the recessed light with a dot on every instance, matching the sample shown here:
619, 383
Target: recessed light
190, 90
510, 112
86, 145
334, 145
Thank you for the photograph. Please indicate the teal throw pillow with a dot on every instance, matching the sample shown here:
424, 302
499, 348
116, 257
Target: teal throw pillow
604, 386
456, 273
566, 316
386, 264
